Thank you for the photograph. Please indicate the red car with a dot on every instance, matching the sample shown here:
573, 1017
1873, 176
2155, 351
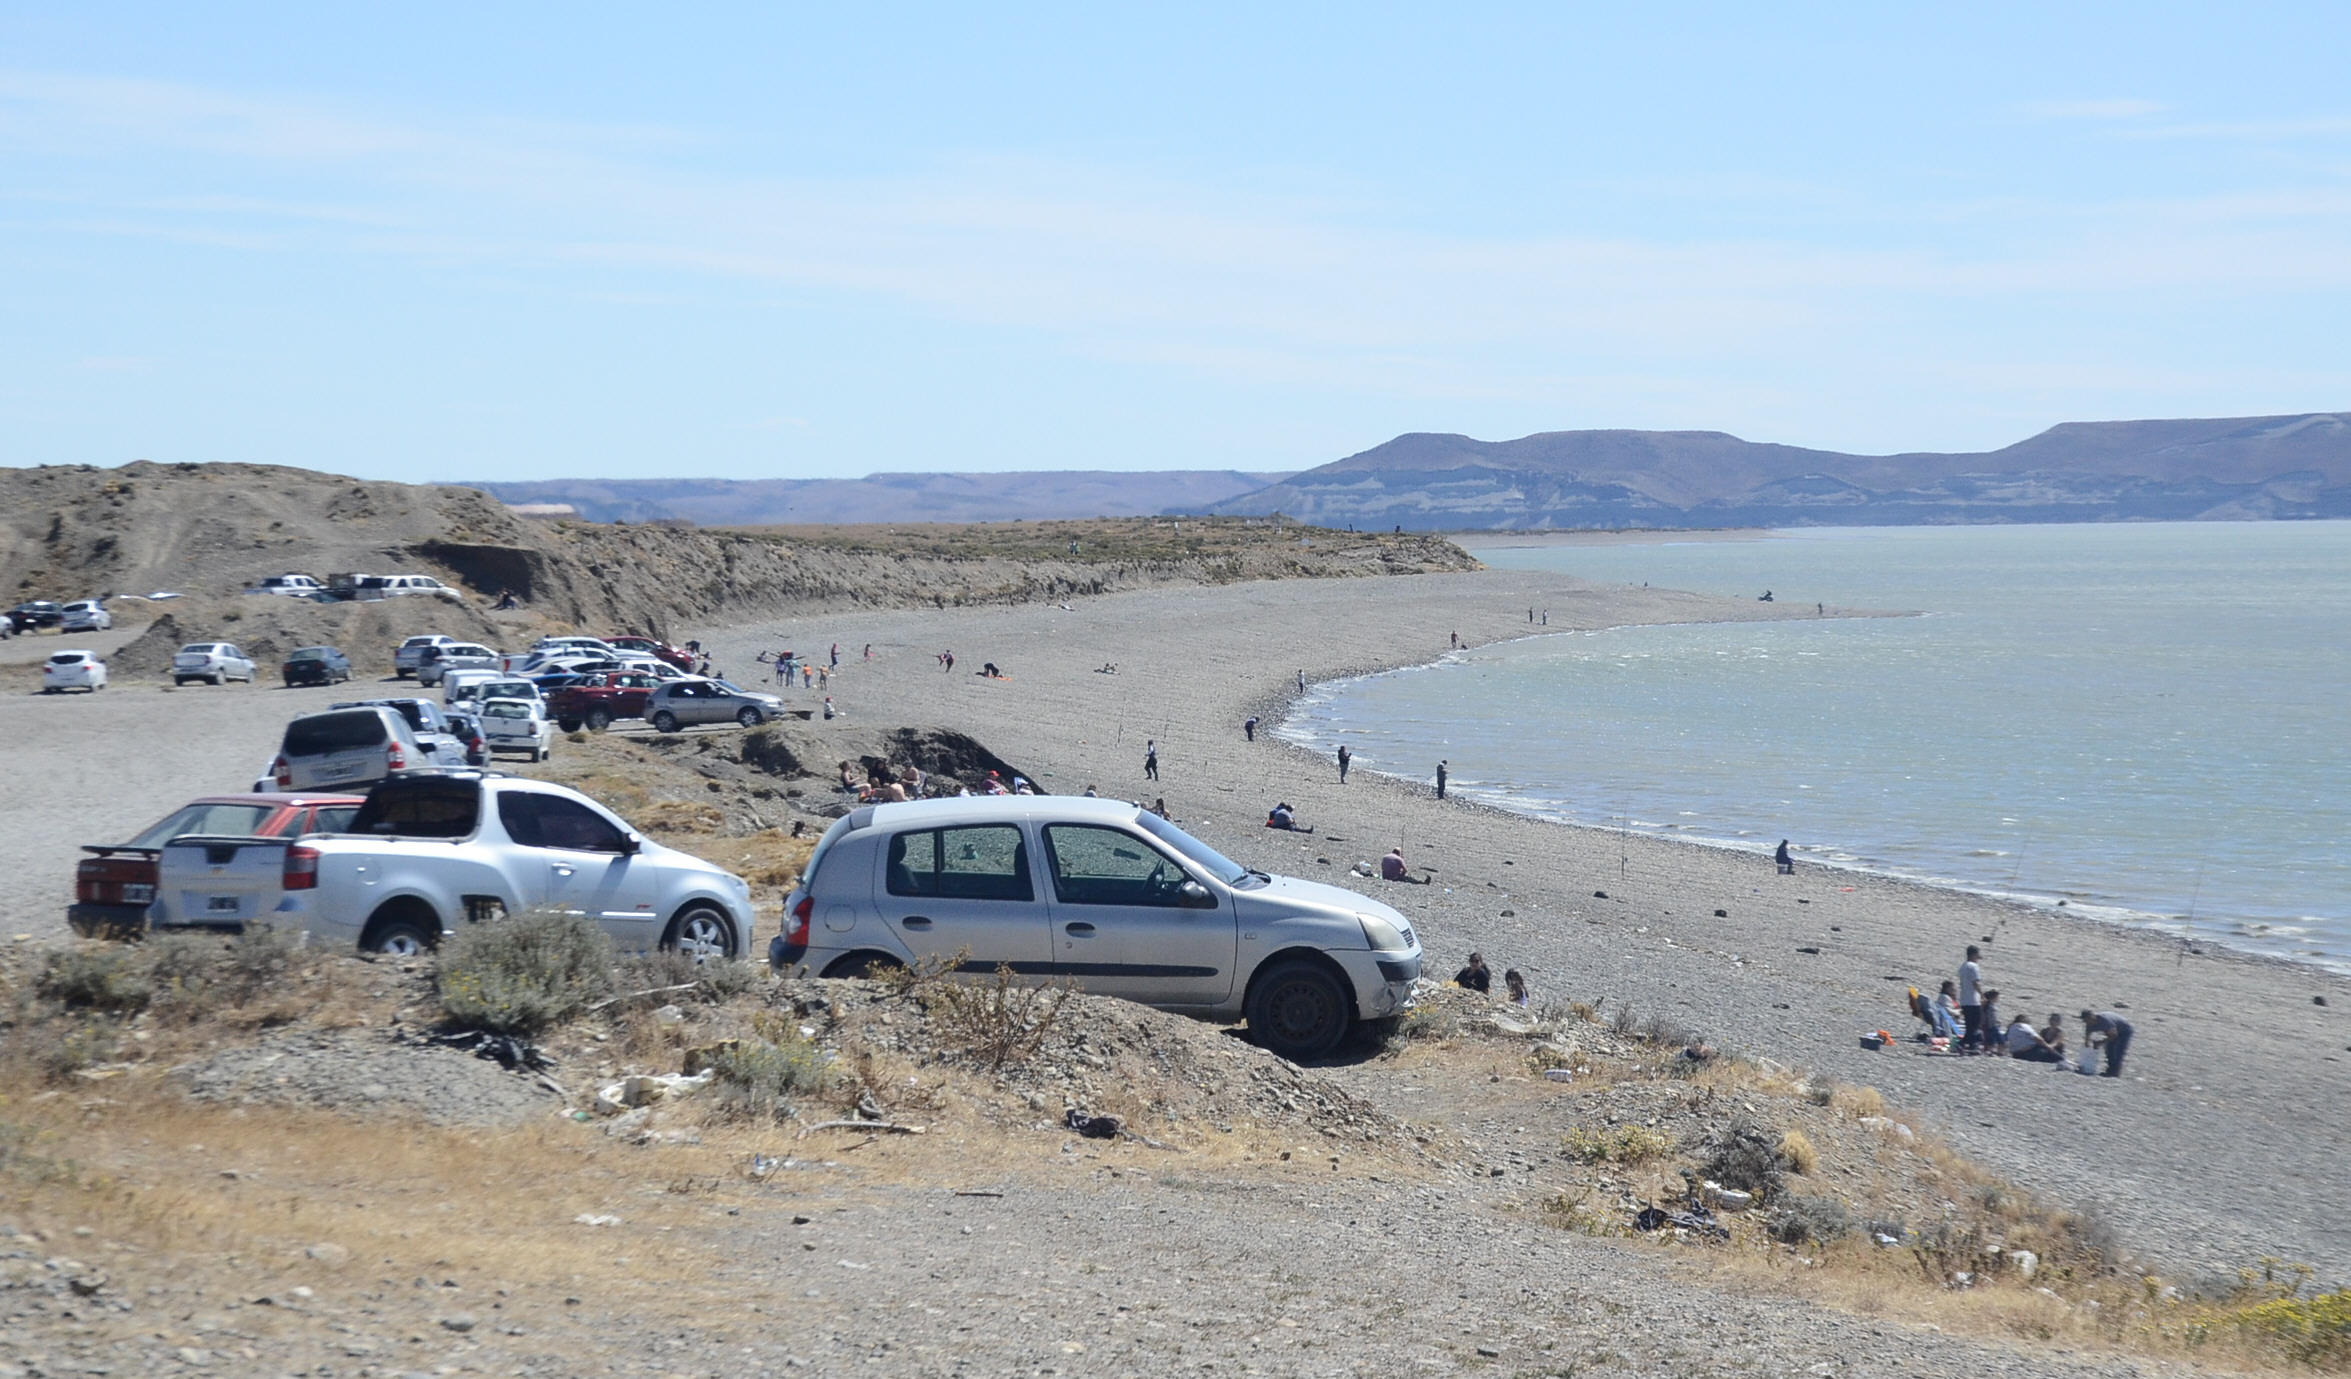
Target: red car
646, 646
114, 888
599, 699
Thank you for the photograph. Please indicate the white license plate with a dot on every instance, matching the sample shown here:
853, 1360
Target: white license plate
221, 904
339, 772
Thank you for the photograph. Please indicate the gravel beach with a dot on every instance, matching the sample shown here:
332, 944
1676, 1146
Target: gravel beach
2215, 1151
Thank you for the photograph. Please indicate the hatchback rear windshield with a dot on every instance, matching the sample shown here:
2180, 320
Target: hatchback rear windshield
311, 653
198, 649
421, 809
216, 820
326, 733
66, 658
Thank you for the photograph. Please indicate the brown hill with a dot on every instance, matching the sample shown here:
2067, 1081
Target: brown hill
208, 530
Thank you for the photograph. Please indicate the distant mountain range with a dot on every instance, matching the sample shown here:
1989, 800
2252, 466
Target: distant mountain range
1032, 495
2238, 468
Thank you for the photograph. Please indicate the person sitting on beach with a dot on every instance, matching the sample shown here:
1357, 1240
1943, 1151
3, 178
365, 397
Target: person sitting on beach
1392, 866
988, 671
1941, 1021
1516, 986
994, 785
1021, 786
2053, 1034
1476, 976
1092, 793
2026, 1044
1285, 819
1787, 864
1159, 807
848, 779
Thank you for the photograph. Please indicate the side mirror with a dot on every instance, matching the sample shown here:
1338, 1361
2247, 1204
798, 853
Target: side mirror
631, 844
1196, 896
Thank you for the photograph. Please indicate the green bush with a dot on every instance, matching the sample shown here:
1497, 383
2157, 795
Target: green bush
2314, 1330
525, 973
95, 977
1623, 1144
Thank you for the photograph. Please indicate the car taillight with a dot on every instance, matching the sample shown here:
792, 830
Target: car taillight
128, 880
796, 932
394, 758
282, 771
301, 873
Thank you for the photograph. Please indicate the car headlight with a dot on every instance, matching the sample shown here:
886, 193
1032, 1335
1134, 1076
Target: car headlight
1383, 936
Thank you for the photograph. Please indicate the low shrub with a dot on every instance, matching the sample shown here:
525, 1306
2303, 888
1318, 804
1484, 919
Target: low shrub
525, 973
997, 1021
1797, 1153
1622, 1144
1799, 1220
1858, 1101
754, 1079
103, 977
196, 978
2314, 1331
1743, 1155
716, 981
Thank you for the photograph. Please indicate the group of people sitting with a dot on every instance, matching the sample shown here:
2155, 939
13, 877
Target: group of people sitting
1955, 1026
1479, 977
1283, 817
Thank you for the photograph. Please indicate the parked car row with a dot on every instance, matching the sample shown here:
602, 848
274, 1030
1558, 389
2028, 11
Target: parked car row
81, 615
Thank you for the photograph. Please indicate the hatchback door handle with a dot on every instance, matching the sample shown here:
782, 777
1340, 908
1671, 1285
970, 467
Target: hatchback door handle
563, 871
1080, 927
916, 922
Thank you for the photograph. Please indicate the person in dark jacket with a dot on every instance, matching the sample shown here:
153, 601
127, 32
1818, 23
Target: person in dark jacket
1476, 976
1787, 863
2110, 1031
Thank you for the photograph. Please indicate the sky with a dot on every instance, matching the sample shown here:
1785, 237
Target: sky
539, 241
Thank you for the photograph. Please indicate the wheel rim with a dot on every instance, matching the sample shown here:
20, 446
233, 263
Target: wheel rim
1301, 1012
749, 718
665, 723
702, 936
400, 943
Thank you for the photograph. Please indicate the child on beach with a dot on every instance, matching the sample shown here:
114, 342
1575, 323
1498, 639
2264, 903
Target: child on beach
1476, 976
1516, 985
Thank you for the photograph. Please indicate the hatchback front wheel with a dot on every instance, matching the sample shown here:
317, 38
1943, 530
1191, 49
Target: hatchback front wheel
1299, 1010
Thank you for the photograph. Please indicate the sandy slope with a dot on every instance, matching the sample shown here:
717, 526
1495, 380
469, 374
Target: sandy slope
2220, 1148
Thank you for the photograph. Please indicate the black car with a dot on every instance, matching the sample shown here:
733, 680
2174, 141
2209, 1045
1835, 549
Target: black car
38, 614
316, 665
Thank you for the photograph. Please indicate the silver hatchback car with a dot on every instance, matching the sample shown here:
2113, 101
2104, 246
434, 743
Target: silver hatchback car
683, 702
1105, 894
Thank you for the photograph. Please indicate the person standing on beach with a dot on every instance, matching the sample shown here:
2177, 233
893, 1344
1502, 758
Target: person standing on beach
836, 655
1971, 1000
1345, 756
1249, 726
1787, 864
1546, 617
1150, 760
1440, 780
2110, 1031
1302, 680
869, 651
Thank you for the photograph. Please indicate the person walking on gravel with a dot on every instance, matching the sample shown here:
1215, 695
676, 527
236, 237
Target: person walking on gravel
1971, 1000
1249, 726
1150, 760
1345, 756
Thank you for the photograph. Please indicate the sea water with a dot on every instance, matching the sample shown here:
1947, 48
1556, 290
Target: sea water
2151, 722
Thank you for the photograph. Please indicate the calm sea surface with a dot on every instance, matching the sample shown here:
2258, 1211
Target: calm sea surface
2152, 722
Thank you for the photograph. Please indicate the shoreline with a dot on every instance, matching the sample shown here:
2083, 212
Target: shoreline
2116, 913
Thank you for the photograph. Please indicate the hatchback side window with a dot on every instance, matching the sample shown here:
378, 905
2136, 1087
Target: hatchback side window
985, 863
1106, 866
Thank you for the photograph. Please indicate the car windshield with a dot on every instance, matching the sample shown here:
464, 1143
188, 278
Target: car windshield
66, 658
196, 649
308, 653
324, 734
505, 708
1215, 863
218, 820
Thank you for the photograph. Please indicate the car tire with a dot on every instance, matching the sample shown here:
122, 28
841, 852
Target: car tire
402, 938
665, 722
1299, 1009
218, 679
599, 720
700, 932
862, 966
177, 682
569, 725
750, 718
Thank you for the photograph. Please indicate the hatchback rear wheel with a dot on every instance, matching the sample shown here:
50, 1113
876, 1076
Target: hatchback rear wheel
750, 718
665, 722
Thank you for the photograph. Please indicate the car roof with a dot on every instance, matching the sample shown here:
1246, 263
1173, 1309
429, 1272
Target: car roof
1076, 809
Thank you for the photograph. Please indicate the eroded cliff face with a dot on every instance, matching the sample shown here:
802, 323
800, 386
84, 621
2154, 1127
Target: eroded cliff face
208, 530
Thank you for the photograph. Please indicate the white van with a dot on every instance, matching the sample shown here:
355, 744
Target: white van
347, 746
459, 686
1105, 894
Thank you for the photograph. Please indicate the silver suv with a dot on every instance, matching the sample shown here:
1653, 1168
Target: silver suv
1108, 895
683, 702
438, 659
350, 745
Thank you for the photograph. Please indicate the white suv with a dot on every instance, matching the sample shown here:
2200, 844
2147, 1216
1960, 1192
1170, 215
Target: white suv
290, 586
411, 652
1108, 895
218, 662
86, 615
435, 661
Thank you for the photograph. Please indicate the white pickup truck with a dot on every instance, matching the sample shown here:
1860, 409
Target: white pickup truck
434, 850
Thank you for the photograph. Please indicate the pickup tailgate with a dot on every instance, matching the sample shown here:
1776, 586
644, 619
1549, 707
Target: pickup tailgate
217, 882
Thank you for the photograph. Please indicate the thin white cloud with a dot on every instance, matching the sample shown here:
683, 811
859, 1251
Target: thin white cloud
2089, 110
